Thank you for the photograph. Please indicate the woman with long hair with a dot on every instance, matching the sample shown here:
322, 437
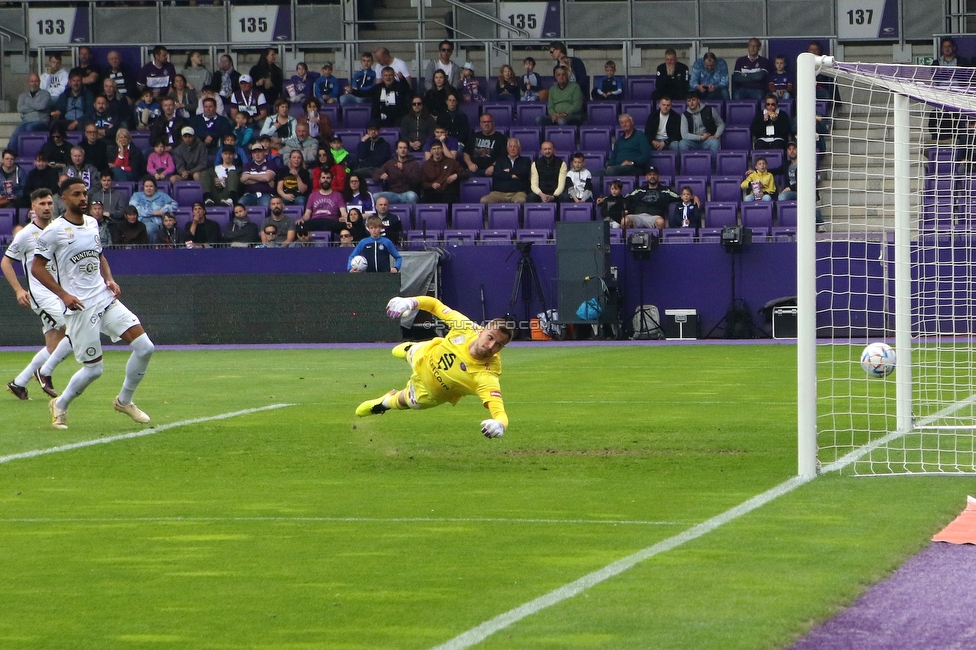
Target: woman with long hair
357, 194
196, 75
127, 160
325, 162
435, 99
507, 88
417, 126
185, 98
268, 77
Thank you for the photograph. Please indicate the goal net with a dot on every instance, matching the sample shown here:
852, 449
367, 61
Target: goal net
895, 174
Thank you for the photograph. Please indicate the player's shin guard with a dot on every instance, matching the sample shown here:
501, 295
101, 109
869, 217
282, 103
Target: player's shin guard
135, 368
392, 401
28, 373
88, 373
60, 354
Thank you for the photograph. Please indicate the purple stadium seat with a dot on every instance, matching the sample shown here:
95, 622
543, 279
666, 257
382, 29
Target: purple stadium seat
221, 214
391, 135
474, 188
679, 235
737, 139
678, 106
497, 236
786, 105
576, 212
595, 138
423, 237
720, 215
8, 219
125, 189
321, 237
529, 136
696, 163
184, 214
774, 158
637, 110
697, 184
460, 237
161, 186
538, 236
629, 184
467, 216
731, 163
356, 116
503, 216
28, 144
405, 212
665, 161
350, 138
563, 138
473, 111
740, 112
595, 160
187, 192
640, 87
141, 140
257, 213
501, 111
432, 216
757, 214
540, 216
782, 232
602, 113
294, 211
332, 111
786, 214
527, 112
708, 235
726, 189
75, 137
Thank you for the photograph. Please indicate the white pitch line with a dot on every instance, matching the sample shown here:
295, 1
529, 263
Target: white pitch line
366, 520
135, 434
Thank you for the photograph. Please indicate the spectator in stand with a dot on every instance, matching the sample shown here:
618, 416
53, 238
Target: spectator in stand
113, 202
565, 103
280, 126
484, 148
78, 168
418, 126
168, 126
152, 205
222, 182
688, 213
579, 180
373, 151
377, 250
647, 206
258, 179
246, 99
191, 157
673, 77
196, 74
211, 127
759, 184
105, 229
751, 73
123, 80
631, 151
185, 98
392, 226
128, 162
243, 132
548, 182
302, 142
391, 98
130, 231
73, 105
157, 74
771, 128
101, 118
55, 80
710, 77
557, 50
225, 81
510, 177
444, 63
43, 175
613, 207
171, 235
268, 77
86, 68
324, 209
200, 230
284, 227
356, 195
780, 81
611, 87
435, 99
326, 160
399, 176
530, 81
384, 59
313, 119
507, 87
441, 177
34, 107
947, 54
294, 184
355, 226
57, 150
468, 86
701, 126
454, 120
147, 109
230, 140
241, 231
12, 179
299, 88
326, 88
449, 143
788, 170
363, 81
118, 105
663, 128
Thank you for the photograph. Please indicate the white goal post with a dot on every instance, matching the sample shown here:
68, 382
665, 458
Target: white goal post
884, 155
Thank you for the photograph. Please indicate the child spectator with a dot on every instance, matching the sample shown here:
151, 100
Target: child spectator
363, 80
610, 87
243, 130
530, 81
326, 87
580, 180
506, 88
313, 117
130, 232
377, 250
470, 88
567, 63
160, 164
171, 235
339, 155
759, 184
781, 82
612, 207
687, 214
147, 109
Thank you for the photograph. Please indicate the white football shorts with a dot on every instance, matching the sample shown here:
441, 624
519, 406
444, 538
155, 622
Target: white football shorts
85, 327
51, 313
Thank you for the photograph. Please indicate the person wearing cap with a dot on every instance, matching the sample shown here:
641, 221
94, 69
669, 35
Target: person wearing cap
631, 152
647, 206
372, 151
258, 179
249, 101
391, 98
191, 157
222, 182
169, 125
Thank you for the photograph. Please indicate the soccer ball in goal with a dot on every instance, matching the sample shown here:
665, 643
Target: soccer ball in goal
878, 360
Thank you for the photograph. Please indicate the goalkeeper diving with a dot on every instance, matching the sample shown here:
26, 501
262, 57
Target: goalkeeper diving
465, 362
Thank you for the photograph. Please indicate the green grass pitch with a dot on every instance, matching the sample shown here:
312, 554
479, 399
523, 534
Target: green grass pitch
305, 527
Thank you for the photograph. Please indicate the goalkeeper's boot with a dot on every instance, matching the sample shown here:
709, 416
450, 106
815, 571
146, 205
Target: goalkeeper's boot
400, 351
374, 406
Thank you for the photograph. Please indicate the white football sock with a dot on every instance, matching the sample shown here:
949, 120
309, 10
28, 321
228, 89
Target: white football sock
135, 368
60, 354
88, 373
28, 373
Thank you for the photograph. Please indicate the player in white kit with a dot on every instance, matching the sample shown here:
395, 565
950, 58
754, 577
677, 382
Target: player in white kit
44, 303
83, 281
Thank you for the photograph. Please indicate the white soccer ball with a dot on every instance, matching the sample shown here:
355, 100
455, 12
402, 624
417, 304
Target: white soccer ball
358, 263
878, 359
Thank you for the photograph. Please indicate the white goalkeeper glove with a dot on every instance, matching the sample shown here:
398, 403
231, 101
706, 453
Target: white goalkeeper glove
397, 307
492, 428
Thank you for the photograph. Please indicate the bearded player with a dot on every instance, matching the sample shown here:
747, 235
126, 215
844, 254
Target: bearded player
465, 362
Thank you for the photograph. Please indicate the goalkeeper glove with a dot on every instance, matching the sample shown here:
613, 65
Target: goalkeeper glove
397, 307
492, 428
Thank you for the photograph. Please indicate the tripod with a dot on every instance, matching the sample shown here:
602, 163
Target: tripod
737, 316
526, 277
646, 322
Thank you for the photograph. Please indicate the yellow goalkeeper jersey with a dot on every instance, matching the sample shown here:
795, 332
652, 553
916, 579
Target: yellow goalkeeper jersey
447, 369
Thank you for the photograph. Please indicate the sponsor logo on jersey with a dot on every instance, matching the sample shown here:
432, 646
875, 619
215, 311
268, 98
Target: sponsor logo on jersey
69, 232
496, 393
77, 257
464, 366
458, 340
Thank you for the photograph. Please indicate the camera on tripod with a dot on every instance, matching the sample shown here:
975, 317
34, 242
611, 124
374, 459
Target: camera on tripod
642, 244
